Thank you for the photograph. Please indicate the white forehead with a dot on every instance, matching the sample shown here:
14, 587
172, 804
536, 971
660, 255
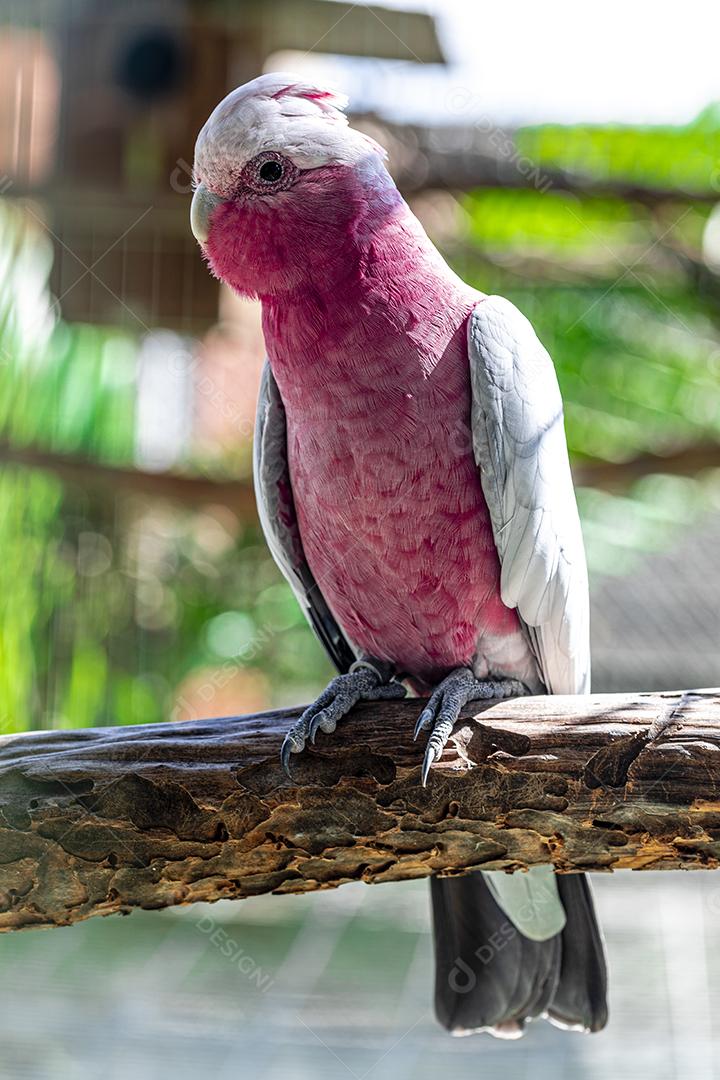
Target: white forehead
279, 112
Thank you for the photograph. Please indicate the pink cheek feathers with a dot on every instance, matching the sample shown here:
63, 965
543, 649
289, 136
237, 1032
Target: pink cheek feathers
305, 236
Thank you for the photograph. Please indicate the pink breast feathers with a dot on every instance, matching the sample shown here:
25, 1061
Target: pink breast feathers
392, 515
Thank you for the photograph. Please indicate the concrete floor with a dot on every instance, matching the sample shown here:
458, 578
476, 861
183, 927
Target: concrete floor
339, 985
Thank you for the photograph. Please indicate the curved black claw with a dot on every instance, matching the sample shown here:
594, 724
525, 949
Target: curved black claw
430, 757
286, 750
424, 720
362, 683
446, 703
326, 720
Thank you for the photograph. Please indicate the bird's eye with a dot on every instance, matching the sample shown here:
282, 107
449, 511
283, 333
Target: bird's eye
270, 171
267, 174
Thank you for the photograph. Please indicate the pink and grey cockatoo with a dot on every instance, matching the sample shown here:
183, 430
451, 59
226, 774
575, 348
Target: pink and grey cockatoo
413, 484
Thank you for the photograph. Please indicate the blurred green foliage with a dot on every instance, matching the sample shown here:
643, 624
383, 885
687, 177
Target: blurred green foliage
117, 608
635, 346
108, 601
685, 157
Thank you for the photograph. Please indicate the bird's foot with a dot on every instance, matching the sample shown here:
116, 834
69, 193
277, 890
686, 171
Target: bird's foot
367, 680
447, 701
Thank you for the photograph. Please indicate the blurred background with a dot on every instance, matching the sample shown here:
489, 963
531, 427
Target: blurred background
567, 158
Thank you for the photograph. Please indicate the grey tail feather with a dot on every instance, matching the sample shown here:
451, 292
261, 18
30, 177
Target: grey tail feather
581, 996
489, 977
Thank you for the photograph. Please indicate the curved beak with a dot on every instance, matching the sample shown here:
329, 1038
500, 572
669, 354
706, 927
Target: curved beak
201, 209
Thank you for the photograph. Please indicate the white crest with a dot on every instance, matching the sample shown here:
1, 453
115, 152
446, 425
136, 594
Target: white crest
285, 113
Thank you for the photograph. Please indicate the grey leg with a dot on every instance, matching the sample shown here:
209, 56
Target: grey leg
367, 680
446, 702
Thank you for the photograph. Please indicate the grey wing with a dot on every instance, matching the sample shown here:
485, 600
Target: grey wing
520, 449
276, 509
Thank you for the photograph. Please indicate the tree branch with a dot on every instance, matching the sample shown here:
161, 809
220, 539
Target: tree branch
107, 820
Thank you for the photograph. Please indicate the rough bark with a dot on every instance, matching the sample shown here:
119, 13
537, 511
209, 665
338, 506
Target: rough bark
105, 820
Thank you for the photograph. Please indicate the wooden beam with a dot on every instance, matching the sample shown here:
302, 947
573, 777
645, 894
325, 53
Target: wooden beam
108, 820
331, 26
194, 489
478, 153
620, 475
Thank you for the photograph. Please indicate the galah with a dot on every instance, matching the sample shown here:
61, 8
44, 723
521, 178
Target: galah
413, 485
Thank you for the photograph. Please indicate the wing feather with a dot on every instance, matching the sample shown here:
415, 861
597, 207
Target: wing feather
520, 449
278, 519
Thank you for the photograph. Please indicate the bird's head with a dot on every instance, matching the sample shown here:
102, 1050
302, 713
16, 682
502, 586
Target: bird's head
284, 187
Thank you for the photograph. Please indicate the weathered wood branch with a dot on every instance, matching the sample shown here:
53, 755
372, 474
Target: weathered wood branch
105, 820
